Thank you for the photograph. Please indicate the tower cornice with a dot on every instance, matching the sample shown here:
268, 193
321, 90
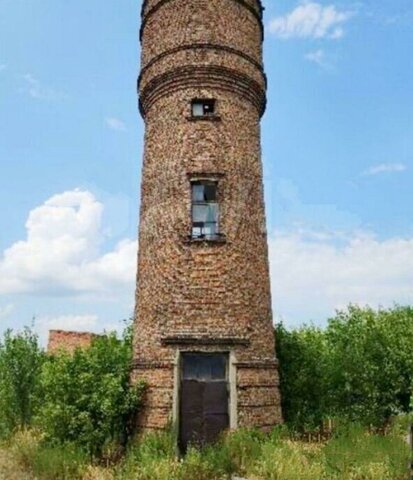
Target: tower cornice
203, 46
258, 14
207, 76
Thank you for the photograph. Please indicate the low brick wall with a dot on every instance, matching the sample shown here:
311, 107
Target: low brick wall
62, 340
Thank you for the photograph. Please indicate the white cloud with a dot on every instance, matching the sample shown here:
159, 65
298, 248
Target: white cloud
318, 57
312, 275
62, 252
71, 323
78, 323
313, 272
385, 168
115, 124
311, 20
38, 91
6, 311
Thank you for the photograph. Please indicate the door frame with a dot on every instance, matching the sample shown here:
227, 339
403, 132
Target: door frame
232, 387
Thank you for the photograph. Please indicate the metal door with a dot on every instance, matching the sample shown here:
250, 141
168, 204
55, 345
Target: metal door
203, 398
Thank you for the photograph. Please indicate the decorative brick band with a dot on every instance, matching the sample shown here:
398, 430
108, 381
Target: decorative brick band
204, 175
258, 365
138, 365
161, 3
145, 3
204, 46
264, 386
205, 76
205, 341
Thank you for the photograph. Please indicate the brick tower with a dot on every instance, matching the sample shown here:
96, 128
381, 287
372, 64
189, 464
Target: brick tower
203, 325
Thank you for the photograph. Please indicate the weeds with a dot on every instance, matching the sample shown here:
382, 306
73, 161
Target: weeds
352, 454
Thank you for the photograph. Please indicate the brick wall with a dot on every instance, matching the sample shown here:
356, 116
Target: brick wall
191, 295
61, 340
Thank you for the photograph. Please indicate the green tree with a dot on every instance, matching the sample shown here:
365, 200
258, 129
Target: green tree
303, 357
371, 363
87, 395
88, 399
20, 362
360, 367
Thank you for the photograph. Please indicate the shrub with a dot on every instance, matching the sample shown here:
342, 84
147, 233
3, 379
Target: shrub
360, 368
20, 362
87, 396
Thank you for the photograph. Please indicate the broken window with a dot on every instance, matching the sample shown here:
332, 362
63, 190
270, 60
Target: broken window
205, 210
203, 108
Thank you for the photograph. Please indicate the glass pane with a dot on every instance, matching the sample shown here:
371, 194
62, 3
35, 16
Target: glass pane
197, 192
204, 366
209, 107
210, 192
210, 229
212, 213
200, 213
198, 109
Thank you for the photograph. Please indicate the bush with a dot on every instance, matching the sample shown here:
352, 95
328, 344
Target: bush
20, 363
87, 398
303, 357
360, 368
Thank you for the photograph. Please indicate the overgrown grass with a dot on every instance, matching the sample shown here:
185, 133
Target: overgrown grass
47, 462
352, 454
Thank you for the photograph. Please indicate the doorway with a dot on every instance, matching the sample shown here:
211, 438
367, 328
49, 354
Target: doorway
204, 398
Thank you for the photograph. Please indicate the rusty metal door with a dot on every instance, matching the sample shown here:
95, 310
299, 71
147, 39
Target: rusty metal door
204, 409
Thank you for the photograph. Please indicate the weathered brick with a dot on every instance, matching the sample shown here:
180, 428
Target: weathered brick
213, 294
66, 341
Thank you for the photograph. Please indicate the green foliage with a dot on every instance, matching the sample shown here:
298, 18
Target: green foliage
371, 363
360, 367
87, 397
303, 356
20, 362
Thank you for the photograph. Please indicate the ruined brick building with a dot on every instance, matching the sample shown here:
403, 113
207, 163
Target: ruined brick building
203, 331
67, 341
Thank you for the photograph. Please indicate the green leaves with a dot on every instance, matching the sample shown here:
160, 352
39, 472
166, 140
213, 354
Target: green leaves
87, 395
20, 363
83, 398
360, 367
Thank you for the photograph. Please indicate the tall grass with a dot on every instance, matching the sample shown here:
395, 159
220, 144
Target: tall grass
47, 462
352, 454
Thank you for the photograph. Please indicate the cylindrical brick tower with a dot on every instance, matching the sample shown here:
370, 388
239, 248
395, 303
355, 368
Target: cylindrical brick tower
204, 339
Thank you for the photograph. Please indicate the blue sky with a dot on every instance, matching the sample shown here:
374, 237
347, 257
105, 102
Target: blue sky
337, 151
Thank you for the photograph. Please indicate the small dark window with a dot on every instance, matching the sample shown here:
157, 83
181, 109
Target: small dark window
203, 108
205, 210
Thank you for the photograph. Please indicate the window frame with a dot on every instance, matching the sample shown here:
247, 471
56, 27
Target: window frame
204, 102
205, 236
